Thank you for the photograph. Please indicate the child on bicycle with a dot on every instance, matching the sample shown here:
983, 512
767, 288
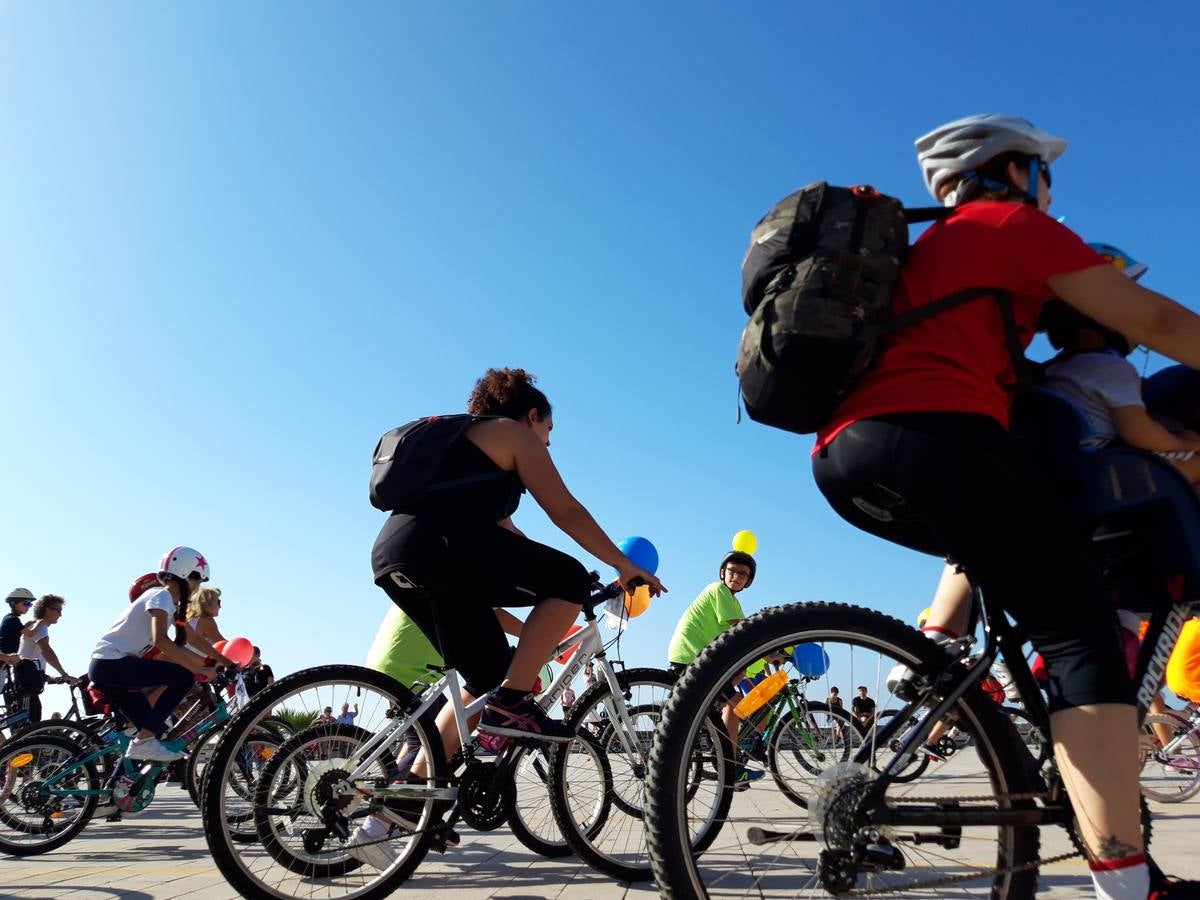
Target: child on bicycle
1092, 371
137, 653
712, 612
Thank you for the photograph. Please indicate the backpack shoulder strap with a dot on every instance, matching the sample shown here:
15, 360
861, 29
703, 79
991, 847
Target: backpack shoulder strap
1012, 335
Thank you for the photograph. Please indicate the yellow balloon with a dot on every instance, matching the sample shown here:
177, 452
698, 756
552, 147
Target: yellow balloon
923, 615
637, 602
745, 542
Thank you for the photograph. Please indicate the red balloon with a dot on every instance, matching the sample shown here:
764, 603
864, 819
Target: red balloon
562, 658
239, 651
219, 646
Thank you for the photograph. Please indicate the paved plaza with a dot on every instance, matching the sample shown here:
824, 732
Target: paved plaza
162, 854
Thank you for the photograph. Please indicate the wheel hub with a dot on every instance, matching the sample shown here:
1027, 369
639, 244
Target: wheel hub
485, 796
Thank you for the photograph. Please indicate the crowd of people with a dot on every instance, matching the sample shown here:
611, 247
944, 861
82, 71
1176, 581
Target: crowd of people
143, 671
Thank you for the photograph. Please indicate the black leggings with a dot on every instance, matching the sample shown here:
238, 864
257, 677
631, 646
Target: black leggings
957, 485
127, 676
454, 593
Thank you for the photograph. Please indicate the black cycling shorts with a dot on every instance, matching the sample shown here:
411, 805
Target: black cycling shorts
970, 494
463, 577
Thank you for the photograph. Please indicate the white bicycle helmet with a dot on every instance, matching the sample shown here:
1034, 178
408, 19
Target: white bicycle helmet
182, 562
20, 594
963, 145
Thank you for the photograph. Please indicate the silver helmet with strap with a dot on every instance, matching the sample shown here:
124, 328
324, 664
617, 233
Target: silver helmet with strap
965, 144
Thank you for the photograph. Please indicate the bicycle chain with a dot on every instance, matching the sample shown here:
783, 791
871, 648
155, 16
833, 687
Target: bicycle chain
971, 876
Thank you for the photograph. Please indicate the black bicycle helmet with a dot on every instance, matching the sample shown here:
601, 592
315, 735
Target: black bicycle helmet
737, 556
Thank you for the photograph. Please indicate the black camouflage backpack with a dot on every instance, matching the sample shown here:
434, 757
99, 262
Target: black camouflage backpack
817, 282
407, 459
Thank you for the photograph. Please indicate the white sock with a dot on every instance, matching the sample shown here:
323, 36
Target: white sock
1121, 879
375, 827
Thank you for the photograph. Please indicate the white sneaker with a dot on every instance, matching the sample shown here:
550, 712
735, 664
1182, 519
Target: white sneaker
152, 749
368, 848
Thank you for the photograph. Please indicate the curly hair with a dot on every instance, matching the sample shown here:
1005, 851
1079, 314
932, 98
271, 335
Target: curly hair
509, 393
204, 602
40, 608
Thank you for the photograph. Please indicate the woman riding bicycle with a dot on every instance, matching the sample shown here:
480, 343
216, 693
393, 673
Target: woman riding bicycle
459, 555
137, 653
928, 425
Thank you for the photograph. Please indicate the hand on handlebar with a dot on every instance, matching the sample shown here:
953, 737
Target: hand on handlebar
631, 576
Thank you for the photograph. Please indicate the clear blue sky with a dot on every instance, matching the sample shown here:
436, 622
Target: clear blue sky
238, 242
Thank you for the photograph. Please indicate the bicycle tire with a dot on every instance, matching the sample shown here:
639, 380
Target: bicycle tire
1159, 779
74, 754
227, 853
618, 848
540, 833
850, 739
676, 868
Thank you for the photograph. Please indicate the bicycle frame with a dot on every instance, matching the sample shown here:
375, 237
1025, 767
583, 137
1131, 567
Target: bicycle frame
591, 648
1001, 638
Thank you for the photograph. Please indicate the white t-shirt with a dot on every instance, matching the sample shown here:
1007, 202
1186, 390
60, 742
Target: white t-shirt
1097, 383
130, 635
29, 648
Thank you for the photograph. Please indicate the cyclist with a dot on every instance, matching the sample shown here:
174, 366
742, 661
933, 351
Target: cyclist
137, 653
35, 652
928, 423
712, 612
11, 628
464, 556
203, 608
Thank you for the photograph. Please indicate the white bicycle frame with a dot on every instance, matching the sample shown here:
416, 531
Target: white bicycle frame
591, 647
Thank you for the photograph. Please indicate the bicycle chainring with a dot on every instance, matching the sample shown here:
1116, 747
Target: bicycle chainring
486, 796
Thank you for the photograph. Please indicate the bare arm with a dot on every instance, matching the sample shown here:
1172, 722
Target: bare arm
510, 623
159, 633
204, 645
206, 627
52, 657
513, 446
1142, 315
1138, 429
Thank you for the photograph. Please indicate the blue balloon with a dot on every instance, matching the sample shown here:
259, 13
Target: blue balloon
811, 660
640, 552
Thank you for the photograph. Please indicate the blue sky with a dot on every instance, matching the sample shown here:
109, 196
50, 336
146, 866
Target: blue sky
237, 243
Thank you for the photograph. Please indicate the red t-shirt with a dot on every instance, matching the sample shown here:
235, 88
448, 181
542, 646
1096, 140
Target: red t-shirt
957, 360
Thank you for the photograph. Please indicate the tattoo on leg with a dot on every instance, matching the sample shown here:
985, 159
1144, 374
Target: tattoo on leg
1111, 848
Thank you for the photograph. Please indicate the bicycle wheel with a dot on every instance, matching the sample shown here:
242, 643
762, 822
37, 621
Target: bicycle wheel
39, 809
1169, 776
803, 746
532, 820
308, 803
770, 851
1030, 734
613, 765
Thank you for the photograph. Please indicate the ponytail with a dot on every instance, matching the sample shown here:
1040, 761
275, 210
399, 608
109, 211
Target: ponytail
184, 590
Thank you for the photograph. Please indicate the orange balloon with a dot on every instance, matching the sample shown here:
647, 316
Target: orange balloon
219, 646
637, 602
562, 658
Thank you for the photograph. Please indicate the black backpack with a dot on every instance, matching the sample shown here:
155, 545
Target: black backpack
407, 459
817, 283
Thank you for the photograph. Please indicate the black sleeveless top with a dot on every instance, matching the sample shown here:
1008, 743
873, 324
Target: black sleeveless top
418, 535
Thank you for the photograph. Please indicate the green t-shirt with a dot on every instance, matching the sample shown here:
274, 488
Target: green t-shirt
400, 649
707, 617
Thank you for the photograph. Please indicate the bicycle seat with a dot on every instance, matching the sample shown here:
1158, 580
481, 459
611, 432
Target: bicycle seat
1141, 511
